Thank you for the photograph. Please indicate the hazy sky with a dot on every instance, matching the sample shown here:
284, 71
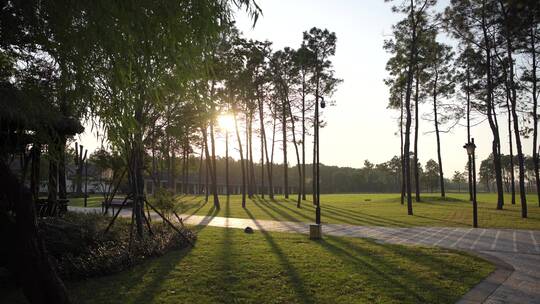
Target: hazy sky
360, 126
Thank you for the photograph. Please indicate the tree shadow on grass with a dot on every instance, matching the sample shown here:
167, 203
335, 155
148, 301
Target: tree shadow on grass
276, 208
364, 217
447, 268
226, 261
296, 281
200, 204
382, 269
212, 212
160, 269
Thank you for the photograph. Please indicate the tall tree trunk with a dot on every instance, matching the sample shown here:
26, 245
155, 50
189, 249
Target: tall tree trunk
214, 167
298, 164
201, 168
401, 150
251, 163
264, 148
437, 133
62, 189
34, 173
285, 162
469, 163
270, 164
248, 171
416, 125
241, 159
512, 178
513, 103
227, 162
303, 188
490, 114
406, 145
535, 113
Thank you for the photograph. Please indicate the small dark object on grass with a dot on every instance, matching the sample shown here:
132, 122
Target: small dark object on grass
248, 230
367, 200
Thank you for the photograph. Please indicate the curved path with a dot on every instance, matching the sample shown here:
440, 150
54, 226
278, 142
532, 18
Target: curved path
516, 253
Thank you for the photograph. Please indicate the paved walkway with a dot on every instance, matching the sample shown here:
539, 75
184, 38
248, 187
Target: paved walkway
518, 248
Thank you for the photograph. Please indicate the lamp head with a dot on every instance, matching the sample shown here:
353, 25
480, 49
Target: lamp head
323, 103
470, 146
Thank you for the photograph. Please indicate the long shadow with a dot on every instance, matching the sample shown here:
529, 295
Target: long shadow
356, 220
148, 292
402, 250
335, 216
414, 257
199, 208
227, 262
282, 212
357, 216
380, 267
268, 209
302, 294
212, 212
441, 221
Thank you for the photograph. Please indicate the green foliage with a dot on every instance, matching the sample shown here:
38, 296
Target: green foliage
164, 201
77, 244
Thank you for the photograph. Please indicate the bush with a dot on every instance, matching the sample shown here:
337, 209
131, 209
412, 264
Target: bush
163, 201
80, 249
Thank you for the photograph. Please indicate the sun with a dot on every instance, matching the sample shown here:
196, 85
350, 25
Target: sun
226, 122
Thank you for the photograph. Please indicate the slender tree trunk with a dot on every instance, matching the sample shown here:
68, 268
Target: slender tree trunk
314, 171
227, 162
512, 178
490, 113
406, 145
214, 167
469, 163
513, 103
416, 125
535, 114
402, 159
270, 163
298, 163
264, 148
62, 189
248, 171
201, 168
285, 161
437, 133
251, 163
34, 173
303, 188
241, 159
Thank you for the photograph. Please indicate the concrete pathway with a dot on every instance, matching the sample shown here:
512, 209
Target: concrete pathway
518, 278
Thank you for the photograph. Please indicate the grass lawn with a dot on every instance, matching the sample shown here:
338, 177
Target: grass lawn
230, 266
374, 210
94, 200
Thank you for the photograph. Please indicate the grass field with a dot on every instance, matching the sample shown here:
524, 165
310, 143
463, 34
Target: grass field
229, 266
368, 209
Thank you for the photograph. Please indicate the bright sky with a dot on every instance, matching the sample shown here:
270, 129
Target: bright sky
360, 126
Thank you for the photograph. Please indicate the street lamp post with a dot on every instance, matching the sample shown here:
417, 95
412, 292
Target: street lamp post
470, 146
315, 231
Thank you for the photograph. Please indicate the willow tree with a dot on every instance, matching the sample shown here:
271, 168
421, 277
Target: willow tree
148, 46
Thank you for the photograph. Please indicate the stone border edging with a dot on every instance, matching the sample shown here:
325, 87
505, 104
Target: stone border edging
482, 290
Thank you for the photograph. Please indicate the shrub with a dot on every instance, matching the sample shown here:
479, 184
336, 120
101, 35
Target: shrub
80, 249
